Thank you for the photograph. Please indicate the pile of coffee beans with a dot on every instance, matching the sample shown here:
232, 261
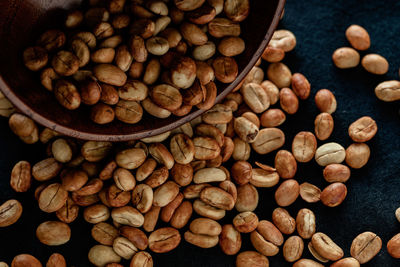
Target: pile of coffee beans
122, 58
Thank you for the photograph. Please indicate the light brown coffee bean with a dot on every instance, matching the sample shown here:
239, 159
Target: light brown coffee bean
388, 91
345, 58
245, 129
225, 69
241, 149
87, 37
182, 148
116, 197
241, 172
293, 248
231, 46
21, 125
252, 258
94, 151
358, 37
109, 74
325, 247
85, 201
52, 198
69, 212
25, 260
48, 77
104, 233
247, 198
208, 211
145, 169
330, 153
263, 246
357, 155
272, 118
193, 191
279, 74
307, 263
230, 240
100, 255
67, 94
130, 158
128, 111
323, 126
96, 214
168, 211
107, 172
219, 114
255, 97
124, 179
200, 240
53, 233
237, 10
161, 154
21, 177
283, 221
336, 173
305, 223
365, 246
205, 148
334, 194
272, 91
310, 193
142, 197
268, 139
287, 193
346, 262
363, 129
165, 194
142, 259
288, 101
151, 218
92, 187
222, 27
205, 226
284, 40
164, 240
133, 90
208, 175
127, 216
52, 40
65, 63
270, 233
56, 260
285, 164
301, 86
315, 254
35, 58
245, 222
10, 212
273, 54
325, 101
182, 215
61, 150
304, 146
124, 248
217, 198
393, 246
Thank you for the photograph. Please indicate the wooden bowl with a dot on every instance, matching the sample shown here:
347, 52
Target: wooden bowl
21, 22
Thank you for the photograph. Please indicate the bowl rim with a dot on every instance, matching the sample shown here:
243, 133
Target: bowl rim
65, 130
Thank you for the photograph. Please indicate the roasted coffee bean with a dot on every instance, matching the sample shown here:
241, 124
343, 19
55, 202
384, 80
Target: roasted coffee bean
252, 258
164, 240
363, 129
35, 58
230, 240
358, 37
279, 74
104, 233
357, 155
10, 212
263, 246
310, 193
336, 173
323, 126
325, 247
388, 91
285, 164
305, 223
293, 248
23, 260
334, 194
282, 219
303, 147
53, 233
245, 222
270, 233
393, 246
346, 262
268, 140
100, 255
21, 178
247, 198
142, 259
325, 101
330, 153
301, 86
127, 216
346, 57
287, 193
284, 40
124, 248
52, 198
56, 260
365, 246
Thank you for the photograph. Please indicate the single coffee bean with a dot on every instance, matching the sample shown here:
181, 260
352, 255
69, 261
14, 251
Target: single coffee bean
124, 248
241, 172
284, 40
325, 101
65, 63
310, 193
225, 68
100, 255
315, 254
25, 260
245, 129
107, 172
346, 262
323, 126
345, 58
237, 10
301, 86
104, 233
325, 247
164, 240
222, 27
56, 260
272, 91
358, 37
287, 193
334, 194
182, 215
217, 198
127, 215
230, 240
304, 146
124, 179
161, 154
96, 214
52, 40
357, 155
53, 233
142, 259
245, 222
285, 164
307, 263
268, 140
130, 158
330, 153
336, 173
283, 221
365, 246
182, 148
81, 50
252, 258
52, 198
375, 64
363, 129
69, 212
273, 54
231, 46
388, 91
288, 101
270, 233
110, 74
247, 198
10, 212
35, 58
67, 94
279, 74
293, 248
21, 125
305, 223
116, 197
21, 178
208, 211
200, 240
263, 246
393, 246
168, 211
208, 175
61, 150
272, 118
255, 97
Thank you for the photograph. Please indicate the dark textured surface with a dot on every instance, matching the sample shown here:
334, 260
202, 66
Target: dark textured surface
373, 192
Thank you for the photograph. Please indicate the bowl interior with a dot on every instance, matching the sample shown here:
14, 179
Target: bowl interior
21, 22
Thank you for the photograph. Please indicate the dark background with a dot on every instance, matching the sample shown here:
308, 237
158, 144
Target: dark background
373, 192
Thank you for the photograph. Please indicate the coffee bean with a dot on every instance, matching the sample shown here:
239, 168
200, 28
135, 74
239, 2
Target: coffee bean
346, 262
334, 194
53, 233
293, 248
23, 260
363, 129
357, 155
305, 223
164, 240
388, 91
325, 247
345, 58
358, 37
230, 240
336, 173
245, 258
310, 193
365, 246
10, 212
330, 153
100, 255
21, 178
283, 221
325, 101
